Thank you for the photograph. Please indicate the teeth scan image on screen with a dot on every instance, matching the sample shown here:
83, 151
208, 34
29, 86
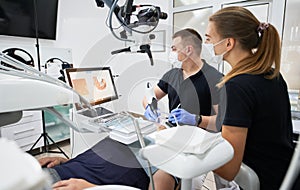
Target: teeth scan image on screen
95, 84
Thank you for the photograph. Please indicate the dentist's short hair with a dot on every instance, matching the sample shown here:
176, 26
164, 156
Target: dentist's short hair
190, 36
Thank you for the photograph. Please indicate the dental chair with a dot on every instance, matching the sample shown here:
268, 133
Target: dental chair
184, 151
187, 152
17, 87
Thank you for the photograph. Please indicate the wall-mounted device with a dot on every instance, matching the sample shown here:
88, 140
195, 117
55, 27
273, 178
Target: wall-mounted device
55, 67
20, 55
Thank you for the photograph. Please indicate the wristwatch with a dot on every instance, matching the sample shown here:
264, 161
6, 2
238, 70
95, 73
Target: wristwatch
198, 120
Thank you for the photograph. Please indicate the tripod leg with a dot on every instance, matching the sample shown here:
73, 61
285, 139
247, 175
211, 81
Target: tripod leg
35, 143
47, 143
54, 143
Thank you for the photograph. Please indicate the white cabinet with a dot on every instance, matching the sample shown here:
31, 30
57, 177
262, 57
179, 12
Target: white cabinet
26, 131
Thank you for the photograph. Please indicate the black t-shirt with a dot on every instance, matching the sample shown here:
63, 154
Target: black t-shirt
196, 94
262, 106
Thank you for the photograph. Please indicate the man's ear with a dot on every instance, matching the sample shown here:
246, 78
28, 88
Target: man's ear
189, 50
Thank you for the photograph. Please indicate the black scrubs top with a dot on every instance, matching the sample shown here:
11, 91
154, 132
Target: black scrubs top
262, 106
196, 94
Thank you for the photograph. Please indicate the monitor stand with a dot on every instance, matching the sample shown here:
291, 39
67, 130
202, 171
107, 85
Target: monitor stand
100, 111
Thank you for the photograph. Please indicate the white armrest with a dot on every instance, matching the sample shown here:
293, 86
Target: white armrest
188, 165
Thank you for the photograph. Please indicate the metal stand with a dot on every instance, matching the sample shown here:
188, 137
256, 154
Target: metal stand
142, 143
44, 135
45, 148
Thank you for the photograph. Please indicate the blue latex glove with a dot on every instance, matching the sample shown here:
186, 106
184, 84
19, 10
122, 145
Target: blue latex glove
150, 115
182, 116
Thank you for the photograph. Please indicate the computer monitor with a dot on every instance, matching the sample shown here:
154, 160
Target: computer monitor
95, 84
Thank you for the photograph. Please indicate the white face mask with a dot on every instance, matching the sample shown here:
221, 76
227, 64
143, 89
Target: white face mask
208, 53
173, 58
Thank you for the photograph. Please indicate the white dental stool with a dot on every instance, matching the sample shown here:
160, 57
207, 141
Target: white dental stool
187, 152
247, 178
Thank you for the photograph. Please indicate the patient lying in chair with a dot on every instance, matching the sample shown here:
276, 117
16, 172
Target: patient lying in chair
108, 162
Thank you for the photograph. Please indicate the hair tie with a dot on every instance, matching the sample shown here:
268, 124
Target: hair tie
262, 26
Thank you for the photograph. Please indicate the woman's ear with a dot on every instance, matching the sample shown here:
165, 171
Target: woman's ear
230, 43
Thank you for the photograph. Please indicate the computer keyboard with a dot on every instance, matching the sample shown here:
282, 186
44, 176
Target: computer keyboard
106, 119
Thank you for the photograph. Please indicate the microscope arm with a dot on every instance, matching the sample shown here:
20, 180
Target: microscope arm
147, 18
145, 48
